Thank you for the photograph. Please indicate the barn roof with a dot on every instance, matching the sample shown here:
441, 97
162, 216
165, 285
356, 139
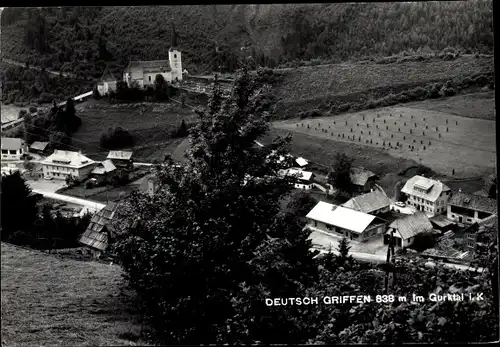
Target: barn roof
432, 187
368, 202
360, 176
38, 145
412, 224
12, 143
125, 155
341, 217
96, 235
104, 167
473, 202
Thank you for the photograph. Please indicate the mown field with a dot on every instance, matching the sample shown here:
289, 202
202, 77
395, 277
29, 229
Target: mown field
47, 301
150, 125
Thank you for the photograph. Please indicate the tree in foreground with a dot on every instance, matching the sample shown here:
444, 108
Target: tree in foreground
18, 205
205, 253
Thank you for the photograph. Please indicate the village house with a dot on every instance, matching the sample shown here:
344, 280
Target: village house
12, 148
100, 232
406, 228
472, 231
39, 147
466, 208
362, 180
62, 164
121, 159
303, 179
104, 171
375, 202
428, 195
341, 221
107, 83
301, 162
149, 185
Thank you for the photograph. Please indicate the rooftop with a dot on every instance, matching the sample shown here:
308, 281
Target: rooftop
434, 191
360, 176
473, 202
125, 155
412, 224
301, 175
150, 65
104, 167
96, 235
12, 143
341, 217
39, 145
301, 161
108, 76
70, 158
368, 202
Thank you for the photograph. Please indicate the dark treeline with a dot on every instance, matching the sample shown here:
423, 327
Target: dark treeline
214, 38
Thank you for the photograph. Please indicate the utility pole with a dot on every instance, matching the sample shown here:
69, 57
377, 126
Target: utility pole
390, 265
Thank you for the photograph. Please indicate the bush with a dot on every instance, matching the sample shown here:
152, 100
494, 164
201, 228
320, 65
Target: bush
116, 138
423, 241
33, 109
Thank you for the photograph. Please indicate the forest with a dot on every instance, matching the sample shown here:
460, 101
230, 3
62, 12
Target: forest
83, 39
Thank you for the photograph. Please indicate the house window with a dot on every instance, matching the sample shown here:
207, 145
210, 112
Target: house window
149, 77
355, 236
13, 151
329, 227
4, 151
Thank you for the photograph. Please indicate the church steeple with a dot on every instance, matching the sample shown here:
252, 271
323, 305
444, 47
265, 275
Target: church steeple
173, 43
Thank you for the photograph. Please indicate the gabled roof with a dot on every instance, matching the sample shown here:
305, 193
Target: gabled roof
12, 143
104, 167
150, 65
369, 202
96, 234
360, 176
69, 158
108, 76
490, 221
301, 175
341, 217
440, 220
473, 202
412, 224
435, 188
301, 161
38, 145
124, 155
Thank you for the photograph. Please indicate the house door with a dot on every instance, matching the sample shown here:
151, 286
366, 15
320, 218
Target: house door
460, 219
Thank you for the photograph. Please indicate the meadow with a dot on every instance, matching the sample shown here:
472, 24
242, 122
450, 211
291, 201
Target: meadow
150, 124
49, 301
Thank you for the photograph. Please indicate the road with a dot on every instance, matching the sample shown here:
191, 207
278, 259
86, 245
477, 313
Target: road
57, 73
92, 206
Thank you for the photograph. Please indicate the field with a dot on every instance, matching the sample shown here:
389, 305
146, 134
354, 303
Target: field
150, 125
47, 301
349, 78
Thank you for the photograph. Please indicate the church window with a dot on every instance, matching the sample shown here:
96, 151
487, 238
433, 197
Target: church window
149, 78
175, 56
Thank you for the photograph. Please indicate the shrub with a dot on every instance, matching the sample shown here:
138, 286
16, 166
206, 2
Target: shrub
116, 138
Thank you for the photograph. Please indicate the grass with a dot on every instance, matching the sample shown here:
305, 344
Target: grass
48, 301
349, 78
149, 124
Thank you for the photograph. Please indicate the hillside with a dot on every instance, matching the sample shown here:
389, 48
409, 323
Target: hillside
75, 38
47, 301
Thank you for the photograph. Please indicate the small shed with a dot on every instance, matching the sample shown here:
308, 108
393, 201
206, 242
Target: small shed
100, 233
39, 147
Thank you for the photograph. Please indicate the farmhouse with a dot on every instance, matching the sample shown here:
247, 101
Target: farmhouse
121, 159
100, 232
39, 147
103, 171
363, 180
62, 164
342, 221
303, 179
107, 83
406, 228
469, 208
12, 148
426, 195
374, 202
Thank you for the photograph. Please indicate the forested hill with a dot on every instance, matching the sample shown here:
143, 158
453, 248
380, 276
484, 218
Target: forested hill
76, 38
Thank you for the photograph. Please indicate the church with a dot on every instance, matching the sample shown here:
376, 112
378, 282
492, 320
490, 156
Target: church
144, 72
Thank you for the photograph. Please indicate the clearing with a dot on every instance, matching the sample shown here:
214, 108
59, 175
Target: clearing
48, 301
150, 124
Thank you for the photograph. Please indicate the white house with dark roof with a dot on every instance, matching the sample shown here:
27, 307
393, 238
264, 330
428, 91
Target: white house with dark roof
107, 83
374, 202
428, 195
406, 228
12, 148
61, 164
363, 180
342, 221
466, 208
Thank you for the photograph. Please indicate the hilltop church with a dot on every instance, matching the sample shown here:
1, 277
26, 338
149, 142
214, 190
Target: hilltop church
144, 72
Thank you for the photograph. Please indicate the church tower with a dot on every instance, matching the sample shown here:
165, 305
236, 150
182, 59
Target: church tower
174, 57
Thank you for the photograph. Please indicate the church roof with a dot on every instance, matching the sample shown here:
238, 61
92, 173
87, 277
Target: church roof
150, 65
108, 76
